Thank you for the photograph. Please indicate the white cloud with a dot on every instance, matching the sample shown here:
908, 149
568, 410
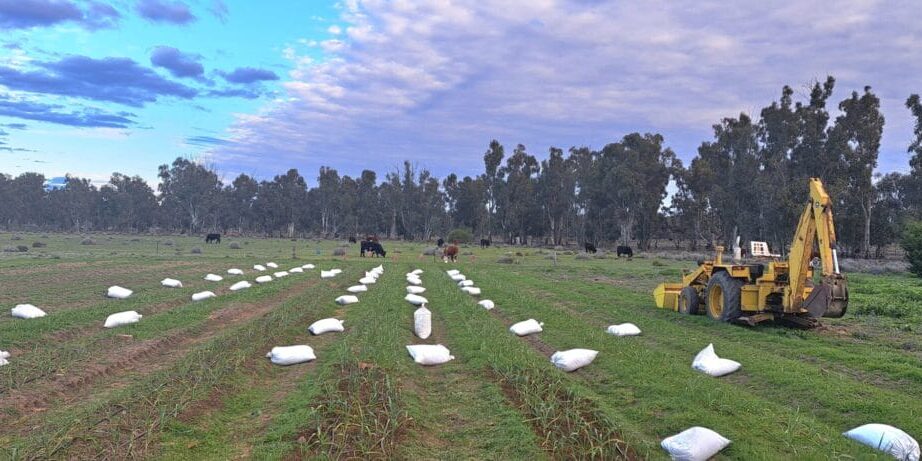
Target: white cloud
435, 80
334, 29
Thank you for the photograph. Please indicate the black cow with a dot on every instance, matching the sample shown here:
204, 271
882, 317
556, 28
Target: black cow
625, 250
351, 239
484, 243
440, 242
590, 248
213, 238
375, 248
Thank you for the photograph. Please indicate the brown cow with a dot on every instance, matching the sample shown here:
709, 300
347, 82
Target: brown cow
450, 253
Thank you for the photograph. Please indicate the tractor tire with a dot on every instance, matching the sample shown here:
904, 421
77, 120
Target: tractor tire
723, 297
689, 301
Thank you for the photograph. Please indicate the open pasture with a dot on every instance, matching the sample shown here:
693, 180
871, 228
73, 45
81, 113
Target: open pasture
191, 381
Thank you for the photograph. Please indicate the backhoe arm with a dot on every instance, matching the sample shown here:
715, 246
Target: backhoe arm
816, 228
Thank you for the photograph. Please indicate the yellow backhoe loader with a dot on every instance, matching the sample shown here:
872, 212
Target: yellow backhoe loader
782, 290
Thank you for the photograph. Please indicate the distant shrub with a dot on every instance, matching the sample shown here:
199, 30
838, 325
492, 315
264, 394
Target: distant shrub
460, 236
16, 237
339, 252
22, 248
582, 256
135, 239
431, 251
167, 243
912, 244
196, 251
88, 241
9, 249
558, 248
39, 245
43, 236
505, 260
519, 253
234, 246
657, 263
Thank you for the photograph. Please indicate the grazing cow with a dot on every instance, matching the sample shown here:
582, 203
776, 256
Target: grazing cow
351, 239
625, 250
590, 248
372, 249
213, 238
450, 253
440, 242
484, 243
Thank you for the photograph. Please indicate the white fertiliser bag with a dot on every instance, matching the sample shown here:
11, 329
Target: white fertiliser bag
473, 291
427, 354
234, 271
372, 273
4, 355
452, 272
214, 278
422, 322
357, 289
466, 283
272, 265
417, 272
290, 355
624, 329
118, 292
241, 285
336, 271
347, 299
171, 283
887, 439
27, 311
573, 359
415, 300
416, 282
486, 304
708, 362
415, 290
296, 270
202, 295
259, 267
308, 266
694, 444
527, 327
326, 326
379, 268
264, 279
458, 277
122, 318
367, 280
280, 274
327, 274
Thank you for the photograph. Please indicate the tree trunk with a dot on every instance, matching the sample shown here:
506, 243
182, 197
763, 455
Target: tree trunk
866, 242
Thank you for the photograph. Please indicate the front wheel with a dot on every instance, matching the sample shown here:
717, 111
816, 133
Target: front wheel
723, 297
688, 301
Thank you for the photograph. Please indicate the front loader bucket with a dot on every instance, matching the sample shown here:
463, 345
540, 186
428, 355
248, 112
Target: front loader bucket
666, 295
829, 298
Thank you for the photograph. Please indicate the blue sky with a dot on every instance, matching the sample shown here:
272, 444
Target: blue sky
89, 87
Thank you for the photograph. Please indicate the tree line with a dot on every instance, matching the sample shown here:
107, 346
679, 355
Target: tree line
749, 180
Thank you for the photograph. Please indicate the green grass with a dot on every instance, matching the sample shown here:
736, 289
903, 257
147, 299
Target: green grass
211, 394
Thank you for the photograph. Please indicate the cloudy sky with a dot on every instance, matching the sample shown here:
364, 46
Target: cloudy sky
89, 87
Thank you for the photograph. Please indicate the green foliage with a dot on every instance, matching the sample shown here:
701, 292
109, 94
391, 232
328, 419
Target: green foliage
912, 244
460, 235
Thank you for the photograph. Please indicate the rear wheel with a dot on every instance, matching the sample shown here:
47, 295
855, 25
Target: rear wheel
688, 301
723, 297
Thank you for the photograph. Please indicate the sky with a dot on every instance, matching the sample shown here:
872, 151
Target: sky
91, 87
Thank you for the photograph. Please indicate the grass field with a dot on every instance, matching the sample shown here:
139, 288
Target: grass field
191, 381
